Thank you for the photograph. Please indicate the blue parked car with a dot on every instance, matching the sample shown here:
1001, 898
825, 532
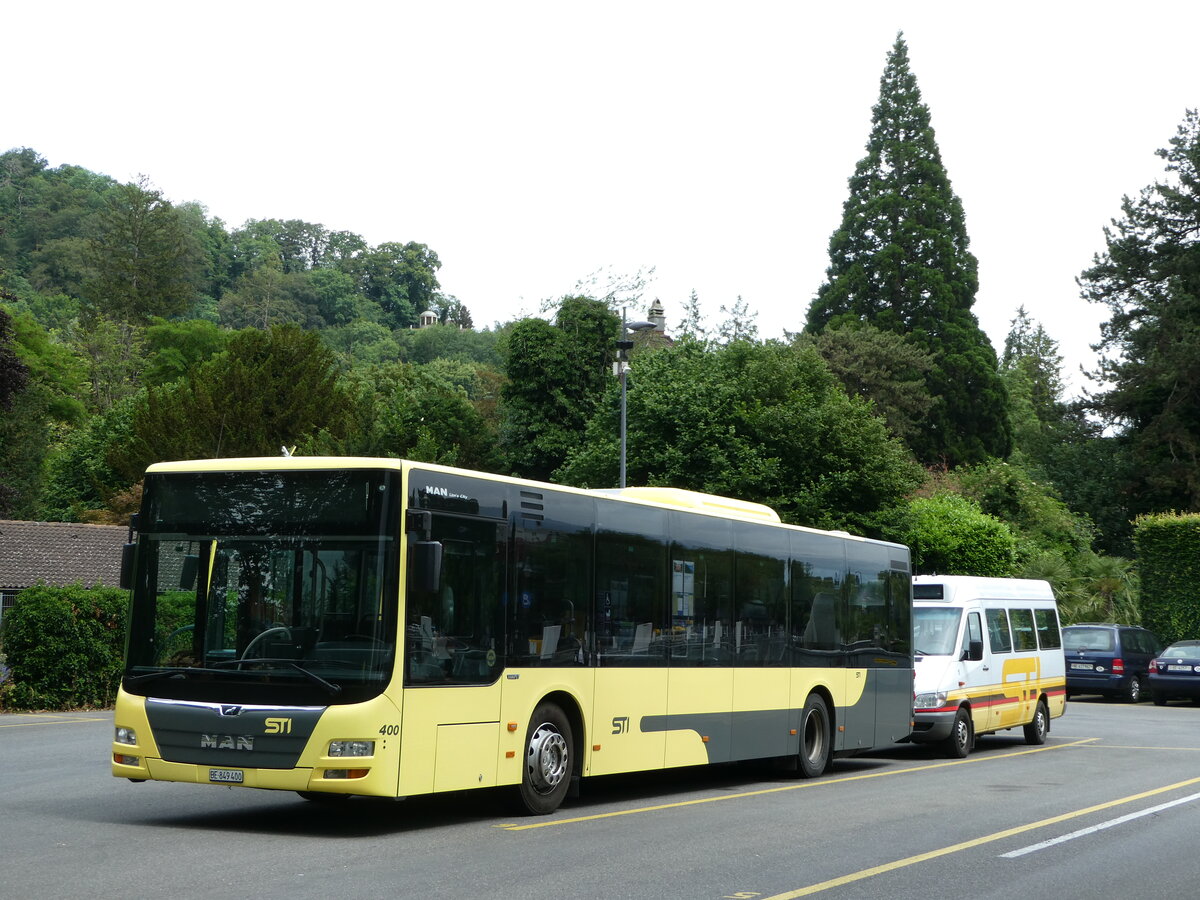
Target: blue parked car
1112, 660
1176, 673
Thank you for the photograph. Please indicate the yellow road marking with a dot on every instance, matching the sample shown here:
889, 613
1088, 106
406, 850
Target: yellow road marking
49, 720
967, 845
789, 787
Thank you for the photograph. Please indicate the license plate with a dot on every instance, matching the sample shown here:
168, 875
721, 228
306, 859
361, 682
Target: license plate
226, 776
1179, 668
1085, 667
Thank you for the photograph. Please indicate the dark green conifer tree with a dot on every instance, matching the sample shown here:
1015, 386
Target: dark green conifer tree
899, 261
1149, 279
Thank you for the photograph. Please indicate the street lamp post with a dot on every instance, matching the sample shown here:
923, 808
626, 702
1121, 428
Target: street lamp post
622, 366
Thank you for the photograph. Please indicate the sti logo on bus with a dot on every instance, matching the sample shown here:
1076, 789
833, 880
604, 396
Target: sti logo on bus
278, 726
226, 742
620, 724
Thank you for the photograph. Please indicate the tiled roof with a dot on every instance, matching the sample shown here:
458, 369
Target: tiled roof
60, 553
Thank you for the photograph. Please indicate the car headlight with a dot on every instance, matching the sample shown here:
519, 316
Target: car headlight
931, 700
352, 748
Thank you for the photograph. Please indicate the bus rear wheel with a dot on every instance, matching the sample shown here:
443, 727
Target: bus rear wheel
816, 741
546, 772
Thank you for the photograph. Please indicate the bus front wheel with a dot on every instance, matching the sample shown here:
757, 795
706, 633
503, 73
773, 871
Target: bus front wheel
546, 772
816, 741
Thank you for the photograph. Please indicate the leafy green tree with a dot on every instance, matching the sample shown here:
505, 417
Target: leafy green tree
403, 411
269, 389
761, 422
452, 311
14, 374
80, 482
145, 260
269, 296
1033, 510
882, 367
900, 261
950, 535
113, 354
174, 348
424, 345
556, 376
363, 343
401, 279
1149, 279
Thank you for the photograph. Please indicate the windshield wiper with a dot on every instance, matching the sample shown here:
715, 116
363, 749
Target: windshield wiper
226, 665
175, 672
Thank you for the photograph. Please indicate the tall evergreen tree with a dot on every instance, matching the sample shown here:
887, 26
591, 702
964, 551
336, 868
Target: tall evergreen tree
1149, 278
900, 262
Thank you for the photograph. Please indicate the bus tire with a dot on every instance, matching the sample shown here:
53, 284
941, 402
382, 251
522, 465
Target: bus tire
962, 735
549, 757
1036, 730
816, 737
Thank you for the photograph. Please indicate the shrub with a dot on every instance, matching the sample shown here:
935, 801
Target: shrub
951, 535
64, 647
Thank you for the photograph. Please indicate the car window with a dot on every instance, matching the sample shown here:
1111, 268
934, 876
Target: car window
1099, 639
1184, 649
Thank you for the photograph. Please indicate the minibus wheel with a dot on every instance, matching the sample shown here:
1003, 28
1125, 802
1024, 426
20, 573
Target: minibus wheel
962, 735
1036, 730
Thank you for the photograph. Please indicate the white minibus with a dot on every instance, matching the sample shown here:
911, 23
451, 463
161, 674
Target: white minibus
987, 657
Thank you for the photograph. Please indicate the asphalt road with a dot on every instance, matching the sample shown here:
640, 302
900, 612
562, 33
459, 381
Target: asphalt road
1109, 806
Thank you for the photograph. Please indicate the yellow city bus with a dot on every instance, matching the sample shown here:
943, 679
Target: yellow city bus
378, 627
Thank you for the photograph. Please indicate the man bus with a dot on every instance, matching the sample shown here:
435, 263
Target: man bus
378, 627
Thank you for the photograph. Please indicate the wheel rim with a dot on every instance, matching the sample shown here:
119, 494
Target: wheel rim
1135, 690
962, 734
546, 760
814, 736
1041, 721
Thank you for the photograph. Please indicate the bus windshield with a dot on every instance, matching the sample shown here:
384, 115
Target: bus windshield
282, 582
935, 630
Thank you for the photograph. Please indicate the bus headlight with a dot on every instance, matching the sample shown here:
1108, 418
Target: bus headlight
125, 736
352, 748
932, 700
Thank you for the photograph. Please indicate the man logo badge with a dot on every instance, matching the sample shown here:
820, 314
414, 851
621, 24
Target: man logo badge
228, 711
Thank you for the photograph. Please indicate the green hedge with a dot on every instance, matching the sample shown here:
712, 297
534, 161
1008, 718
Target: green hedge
64, 647
1168, 552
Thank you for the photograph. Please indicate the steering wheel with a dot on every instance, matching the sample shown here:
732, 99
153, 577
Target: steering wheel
263, 635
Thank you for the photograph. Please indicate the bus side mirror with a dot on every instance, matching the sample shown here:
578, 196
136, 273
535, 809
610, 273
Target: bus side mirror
426, 566
974, 651
126, 582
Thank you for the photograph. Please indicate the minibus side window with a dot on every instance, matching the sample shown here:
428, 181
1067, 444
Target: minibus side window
1022, 627
998, 635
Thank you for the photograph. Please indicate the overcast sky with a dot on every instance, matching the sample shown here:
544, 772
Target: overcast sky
532, 144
